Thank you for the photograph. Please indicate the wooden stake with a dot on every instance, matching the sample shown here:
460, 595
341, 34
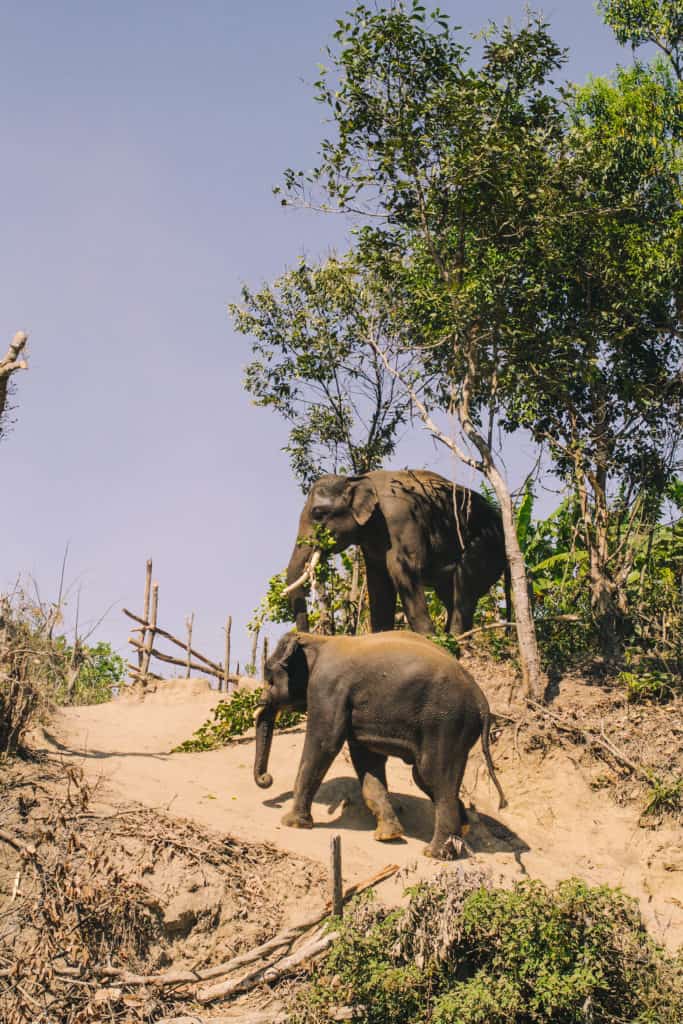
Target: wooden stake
149, 638
145, 607
254, 648
226, 665
336, 888
189, 622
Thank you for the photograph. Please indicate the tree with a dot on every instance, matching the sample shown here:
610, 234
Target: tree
659, 22
529, 246
441, 163
312, 366
9, 364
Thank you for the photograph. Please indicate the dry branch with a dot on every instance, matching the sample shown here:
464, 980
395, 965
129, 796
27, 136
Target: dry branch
600, 744
174, 640
10, 363
502, 624
275, 945
183, 662
270, 972
24, 848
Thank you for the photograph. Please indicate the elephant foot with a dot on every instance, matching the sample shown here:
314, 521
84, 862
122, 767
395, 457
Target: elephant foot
294, 820
451, 849
388, 830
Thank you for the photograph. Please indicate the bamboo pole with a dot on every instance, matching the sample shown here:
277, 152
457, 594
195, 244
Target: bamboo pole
135, 672
149, 637
154, 653
226, 666
189, 622
174, 640
145, 606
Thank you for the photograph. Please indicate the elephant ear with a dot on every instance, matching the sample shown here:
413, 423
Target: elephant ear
362, 499
286, 649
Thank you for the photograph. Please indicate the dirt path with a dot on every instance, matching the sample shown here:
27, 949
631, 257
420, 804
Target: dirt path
555, 826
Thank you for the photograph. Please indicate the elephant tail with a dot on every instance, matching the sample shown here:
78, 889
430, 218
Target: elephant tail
507, 582
486, 726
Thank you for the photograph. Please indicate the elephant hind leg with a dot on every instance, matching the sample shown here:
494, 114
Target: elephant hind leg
464, 817
371, 771
450, 814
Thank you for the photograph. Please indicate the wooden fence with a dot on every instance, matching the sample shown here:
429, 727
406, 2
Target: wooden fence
147, 632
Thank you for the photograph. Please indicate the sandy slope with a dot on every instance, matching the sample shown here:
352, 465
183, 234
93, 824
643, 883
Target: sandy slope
555, 826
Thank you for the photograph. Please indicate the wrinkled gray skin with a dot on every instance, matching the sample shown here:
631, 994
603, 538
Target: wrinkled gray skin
389, 695
405, 523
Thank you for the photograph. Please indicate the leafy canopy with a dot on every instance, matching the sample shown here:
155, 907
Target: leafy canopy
312, 365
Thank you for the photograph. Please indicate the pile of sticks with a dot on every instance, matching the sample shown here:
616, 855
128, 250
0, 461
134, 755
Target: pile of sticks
266, 964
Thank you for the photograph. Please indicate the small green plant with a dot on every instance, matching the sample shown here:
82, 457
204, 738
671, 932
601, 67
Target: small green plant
650, 685
666, 796
447, 641
232, 717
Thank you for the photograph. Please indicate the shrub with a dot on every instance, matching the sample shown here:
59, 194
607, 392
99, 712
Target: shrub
232, 717
88, 673
464, 953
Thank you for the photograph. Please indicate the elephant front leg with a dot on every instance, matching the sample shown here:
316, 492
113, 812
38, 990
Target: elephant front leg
414, 605
316, 760
371, 771
382, 597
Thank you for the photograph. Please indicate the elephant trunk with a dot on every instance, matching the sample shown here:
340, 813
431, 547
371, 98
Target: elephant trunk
265, 723
298, 563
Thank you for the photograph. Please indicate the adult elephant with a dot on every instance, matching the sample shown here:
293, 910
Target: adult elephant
388, 695
416, 529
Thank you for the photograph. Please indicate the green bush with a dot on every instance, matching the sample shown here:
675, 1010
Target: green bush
98, 669
232, 717
462, 953
651, 685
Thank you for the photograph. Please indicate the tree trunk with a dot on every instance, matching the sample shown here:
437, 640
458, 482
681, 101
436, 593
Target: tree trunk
533, 678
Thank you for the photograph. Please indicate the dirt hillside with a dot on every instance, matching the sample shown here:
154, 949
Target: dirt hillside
561, 819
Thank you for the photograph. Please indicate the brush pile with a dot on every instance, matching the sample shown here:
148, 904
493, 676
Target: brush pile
131, 914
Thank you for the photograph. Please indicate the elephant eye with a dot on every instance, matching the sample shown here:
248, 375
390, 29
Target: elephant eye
318, 512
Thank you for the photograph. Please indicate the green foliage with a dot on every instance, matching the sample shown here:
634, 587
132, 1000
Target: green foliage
312, 366
99, 669
530, 954
448, 642
274, 607
650, 685
665, 796
231, 718
659, 22
535, 267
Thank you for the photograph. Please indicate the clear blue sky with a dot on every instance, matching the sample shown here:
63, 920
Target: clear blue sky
140, 145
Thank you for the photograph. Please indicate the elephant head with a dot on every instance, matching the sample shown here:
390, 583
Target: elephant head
286, 674
341, 504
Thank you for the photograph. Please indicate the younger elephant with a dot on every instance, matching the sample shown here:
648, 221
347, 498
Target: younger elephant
388, 694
